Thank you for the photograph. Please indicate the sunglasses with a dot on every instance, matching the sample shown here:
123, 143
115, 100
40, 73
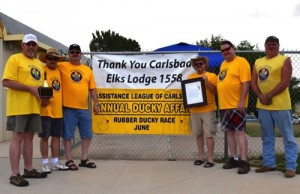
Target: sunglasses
198, 64
225, 49
31, 44
52, 58
74, 52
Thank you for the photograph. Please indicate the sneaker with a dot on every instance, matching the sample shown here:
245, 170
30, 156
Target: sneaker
58, 166
232, 163
289, 174
18, 181
244, 167
46, 168
264, 169
34, 174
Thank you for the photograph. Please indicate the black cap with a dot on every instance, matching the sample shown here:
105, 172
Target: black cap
74, 47
272, 39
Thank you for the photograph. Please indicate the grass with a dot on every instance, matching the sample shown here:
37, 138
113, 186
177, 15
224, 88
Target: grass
253, 130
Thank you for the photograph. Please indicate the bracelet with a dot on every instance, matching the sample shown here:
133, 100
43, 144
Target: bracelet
269, 96
260, 96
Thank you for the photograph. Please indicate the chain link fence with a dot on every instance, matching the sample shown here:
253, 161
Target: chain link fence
183, 147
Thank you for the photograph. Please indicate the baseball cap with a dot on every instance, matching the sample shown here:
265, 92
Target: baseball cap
29, 37
272, 39
74, 47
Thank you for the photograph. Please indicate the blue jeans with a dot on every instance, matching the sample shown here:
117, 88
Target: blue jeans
282, 119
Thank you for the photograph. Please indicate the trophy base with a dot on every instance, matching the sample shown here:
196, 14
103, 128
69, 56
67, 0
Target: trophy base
45, 92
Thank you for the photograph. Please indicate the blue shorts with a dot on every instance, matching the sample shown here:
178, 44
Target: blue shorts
77, 118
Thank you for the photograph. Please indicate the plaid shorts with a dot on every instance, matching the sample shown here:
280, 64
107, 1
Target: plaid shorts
233, 119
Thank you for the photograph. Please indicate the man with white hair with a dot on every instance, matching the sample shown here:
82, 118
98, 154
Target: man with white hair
23, 75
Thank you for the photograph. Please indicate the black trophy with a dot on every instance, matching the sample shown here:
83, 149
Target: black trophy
45, 91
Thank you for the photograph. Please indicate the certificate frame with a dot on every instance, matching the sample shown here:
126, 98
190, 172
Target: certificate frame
193, 92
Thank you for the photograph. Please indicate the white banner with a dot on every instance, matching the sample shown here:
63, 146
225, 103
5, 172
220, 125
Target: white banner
163, 71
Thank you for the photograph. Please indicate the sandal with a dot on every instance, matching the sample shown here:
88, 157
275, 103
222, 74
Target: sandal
86, 163
71, 165
199, 162
209, 164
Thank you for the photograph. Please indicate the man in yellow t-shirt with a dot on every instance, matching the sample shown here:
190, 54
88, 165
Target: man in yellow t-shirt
203, 118
23, 75
78, 81
271, 78
233, 87
51, 115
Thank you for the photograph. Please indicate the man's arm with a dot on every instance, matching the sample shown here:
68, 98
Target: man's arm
93, 93
22, 87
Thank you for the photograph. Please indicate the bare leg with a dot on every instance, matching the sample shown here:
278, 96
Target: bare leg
44, 147
210, 144
55, 144
15, 152
85, 144
243, 144
68, 149
232, 143
200, 145
27, 150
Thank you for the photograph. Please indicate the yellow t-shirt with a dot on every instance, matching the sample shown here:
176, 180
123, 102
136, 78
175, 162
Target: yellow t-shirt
77, 80
269, 75
54, 109
230, 79
210, 97
25, 71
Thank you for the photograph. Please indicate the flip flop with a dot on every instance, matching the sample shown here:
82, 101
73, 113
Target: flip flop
199, 162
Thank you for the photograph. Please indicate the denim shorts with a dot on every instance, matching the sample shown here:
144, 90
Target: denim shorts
77, 118
51, 127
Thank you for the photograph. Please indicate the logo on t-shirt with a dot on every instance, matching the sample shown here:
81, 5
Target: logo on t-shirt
35, 73
222, 75
76, 76
263, 74
56, 85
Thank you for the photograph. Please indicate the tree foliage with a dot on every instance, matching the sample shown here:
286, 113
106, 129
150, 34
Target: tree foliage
106, 41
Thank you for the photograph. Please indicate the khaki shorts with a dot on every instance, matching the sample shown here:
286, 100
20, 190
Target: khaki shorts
24, 123
204, 123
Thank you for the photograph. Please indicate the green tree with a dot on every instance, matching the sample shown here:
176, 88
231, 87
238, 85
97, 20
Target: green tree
111, 41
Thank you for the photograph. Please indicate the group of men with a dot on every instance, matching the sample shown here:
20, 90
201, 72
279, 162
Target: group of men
28, 112
269, 81
72, 82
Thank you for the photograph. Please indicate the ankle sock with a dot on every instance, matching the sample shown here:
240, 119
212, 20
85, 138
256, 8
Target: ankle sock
54, 160
45, 161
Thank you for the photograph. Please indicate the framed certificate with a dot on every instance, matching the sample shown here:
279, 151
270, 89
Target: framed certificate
193, 92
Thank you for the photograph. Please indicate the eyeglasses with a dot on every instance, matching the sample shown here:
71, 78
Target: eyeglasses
225, 49
52, 58
74, 52
198, 64
31, 44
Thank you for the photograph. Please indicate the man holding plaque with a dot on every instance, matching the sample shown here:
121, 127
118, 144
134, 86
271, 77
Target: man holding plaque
203, 118
233, 87
23, 75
